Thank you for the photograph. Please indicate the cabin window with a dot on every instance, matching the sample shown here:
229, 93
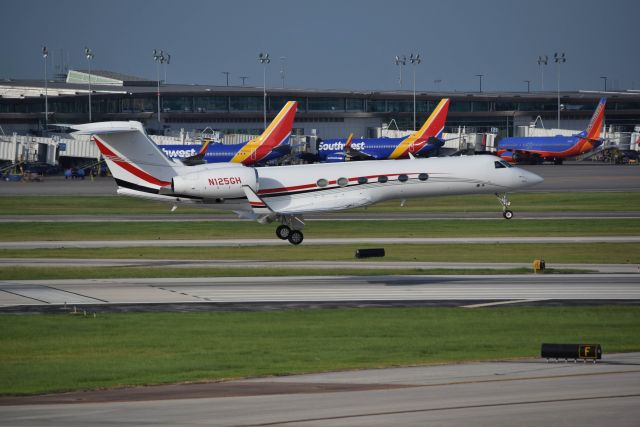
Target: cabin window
382, 179
403, 178
423, 176
322, 182
343, 182
363, 180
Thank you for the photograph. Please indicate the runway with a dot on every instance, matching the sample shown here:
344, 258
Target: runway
301, 290
502, 393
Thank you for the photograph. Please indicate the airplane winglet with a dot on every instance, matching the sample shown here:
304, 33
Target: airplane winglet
257, 204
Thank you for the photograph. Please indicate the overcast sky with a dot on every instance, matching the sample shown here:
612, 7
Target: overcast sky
338, 44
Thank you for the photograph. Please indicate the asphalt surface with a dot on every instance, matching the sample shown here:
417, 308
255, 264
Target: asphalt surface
502, 393
369, 264
264, 292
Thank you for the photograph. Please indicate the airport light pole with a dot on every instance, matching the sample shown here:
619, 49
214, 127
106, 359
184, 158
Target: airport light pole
401, 60
542, 60
243, 78
45, 53
226, 73
167, 61
436, 83
283, 60
480, 77
415, 60
605, 82
160, 59
89, 55
559, 58
264, 59
528, 82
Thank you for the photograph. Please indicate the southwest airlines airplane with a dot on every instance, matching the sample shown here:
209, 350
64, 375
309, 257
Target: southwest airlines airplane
273, 143
537, 149
423, 142
284, 194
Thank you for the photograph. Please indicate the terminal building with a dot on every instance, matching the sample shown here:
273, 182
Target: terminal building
174, 113
325, 113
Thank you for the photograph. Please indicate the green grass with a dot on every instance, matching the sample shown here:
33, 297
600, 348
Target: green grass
52, 353
521, 202
604, 253
18, 231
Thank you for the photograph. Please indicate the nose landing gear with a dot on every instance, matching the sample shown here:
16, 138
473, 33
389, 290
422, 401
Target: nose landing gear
504, 201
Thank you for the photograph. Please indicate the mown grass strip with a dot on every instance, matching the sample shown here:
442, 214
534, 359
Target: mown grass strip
19, 231
593, 253
53, 353
522, 202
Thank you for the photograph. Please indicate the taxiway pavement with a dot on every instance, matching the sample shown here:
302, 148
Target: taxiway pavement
501, 393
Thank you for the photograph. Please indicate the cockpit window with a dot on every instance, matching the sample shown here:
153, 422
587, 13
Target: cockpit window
502, 164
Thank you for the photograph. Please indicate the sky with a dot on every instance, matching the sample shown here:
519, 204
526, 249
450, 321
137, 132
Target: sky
334, 44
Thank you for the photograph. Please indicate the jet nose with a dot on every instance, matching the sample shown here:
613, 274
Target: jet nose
529, 178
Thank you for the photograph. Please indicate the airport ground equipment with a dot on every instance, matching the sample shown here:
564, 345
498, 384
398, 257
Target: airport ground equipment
583, 352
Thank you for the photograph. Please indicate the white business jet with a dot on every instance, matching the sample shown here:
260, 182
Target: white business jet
284, 194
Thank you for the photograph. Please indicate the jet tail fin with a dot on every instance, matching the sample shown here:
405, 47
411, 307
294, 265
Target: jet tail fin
596, 123
275, 134
135, 161
434, 124
198, 158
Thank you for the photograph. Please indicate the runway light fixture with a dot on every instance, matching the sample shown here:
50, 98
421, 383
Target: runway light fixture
401, 60
542, 61
264, 59
89, 55
415, 60
45, 54
559, 58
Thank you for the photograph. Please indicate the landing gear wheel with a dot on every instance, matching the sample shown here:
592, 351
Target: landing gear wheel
507, 214
283, 232
295, 237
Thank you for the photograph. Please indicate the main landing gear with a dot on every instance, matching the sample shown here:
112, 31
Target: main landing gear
294, 237
504, 201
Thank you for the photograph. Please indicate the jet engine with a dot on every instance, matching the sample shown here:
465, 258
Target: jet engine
216, 183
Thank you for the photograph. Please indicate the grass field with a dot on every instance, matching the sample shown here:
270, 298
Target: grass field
19, 231
521, 202
605, 253
49, 353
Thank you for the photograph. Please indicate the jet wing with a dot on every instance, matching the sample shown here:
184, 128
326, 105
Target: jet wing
304, 204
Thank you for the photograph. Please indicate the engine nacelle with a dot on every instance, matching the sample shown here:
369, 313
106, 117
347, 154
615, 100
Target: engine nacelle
216, 183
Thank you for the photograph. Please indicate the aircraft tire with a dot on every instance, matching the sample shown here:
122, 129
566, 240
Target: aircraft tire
295, 237
283, 232
507, 214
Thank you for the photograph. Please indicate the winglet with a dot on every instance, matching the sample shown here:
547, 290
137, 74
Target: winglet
257, 204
